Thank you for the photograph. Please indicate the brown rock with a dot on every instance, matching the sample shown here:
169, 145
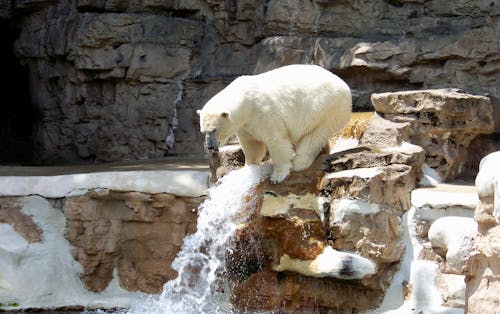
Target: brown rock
443, 122
483, 269
11, 213
381, 132
110, 229
379, 185
301, 216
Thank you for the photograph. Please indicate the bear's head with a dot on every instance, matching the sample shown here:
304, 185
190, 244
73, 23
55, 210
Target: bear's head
224, 114
217, 128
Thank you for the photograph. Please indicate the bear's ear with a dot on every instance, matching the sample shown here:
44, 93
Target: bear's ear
198, 112
224, 114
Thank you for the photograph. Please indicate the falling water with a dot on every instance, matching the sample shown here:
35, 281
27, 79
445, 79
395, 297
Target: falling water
202, 256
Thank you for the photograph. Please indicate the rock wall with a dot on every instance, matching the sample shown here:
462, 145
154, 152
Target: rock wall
115, 80
93, 240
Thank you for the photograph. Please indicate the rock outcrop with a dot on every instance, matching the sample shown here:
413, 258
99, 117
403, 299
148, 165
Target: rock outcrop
483, 268
115, 80
351, 233
437, 232
328, 238
443, 122
120, 232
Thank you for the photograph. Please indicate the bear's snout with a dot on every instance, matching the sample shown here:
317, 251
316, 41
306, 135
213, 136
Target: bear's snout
212, 141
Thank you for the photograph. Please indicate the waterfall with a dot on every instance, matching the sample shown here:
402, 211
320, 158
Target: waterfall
170, 139
202, 256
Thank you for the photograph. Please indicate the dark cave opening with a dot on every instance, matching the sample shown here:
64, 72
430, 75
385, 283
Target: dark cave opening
16, 111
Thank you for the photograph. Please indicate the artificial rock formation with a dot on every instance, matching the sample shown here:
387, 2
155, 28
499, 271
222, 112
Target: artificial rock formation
347, 207
115, 80
443, 122
93, 240
483, 268
123, 230
11, 214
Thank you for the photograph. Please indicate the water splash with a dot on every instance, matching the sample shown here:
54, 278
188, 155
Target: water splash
202, 255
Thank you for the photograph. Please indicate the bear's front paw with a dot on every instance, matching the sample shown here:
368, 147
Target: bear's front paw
279, 174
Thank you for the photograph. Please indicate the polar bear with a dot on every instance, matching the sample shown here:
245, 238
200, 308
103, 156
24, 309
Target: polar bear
290, 111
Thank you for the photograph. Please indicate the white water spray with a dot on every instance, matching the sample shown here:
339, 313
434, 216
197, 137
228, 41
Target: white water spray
202, 255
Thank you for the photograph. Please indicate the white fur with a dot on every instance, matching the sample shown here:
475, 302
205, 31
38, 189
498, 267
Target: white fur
291, 111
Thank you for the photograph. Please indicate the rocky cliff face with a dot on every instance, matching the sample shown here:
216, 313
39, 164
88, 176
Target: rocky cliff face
114, 80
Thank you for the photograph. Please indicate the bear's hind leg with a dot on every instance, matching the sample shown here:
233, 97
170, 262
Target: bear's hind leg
310, 146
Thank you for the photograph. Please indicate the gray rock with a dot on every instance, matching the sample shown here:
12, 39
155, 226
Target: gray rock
84, 56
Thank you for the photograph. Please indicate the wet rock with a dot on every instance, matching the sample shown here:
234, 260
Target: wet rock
430, 280
333, 227
228, 158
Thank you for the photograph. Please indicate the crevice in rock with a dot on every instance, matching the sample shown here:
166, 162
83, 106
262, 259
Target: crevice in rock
17, 115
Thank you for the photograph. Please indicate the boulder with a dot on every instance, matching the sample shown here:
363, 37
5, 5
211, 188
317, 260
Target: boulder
454, 242
444, 122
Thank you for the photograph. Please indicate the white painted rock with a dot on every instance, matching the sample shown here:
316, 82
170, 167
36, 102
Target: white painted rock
44, 274
426, 296
454, 234
330, 263
488, 182
181, 183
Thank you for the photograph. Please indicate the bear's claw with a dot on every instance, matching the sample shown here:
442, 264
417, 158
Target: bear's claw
278, 176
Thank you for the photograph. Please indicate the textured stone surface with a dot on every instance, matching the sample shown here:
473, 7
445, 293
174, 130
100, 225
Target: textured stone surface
429, 279
483, 268
351, 202
44, 274
11, 213
124, 230
443, 122
115, 80
483, 280
382, 132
